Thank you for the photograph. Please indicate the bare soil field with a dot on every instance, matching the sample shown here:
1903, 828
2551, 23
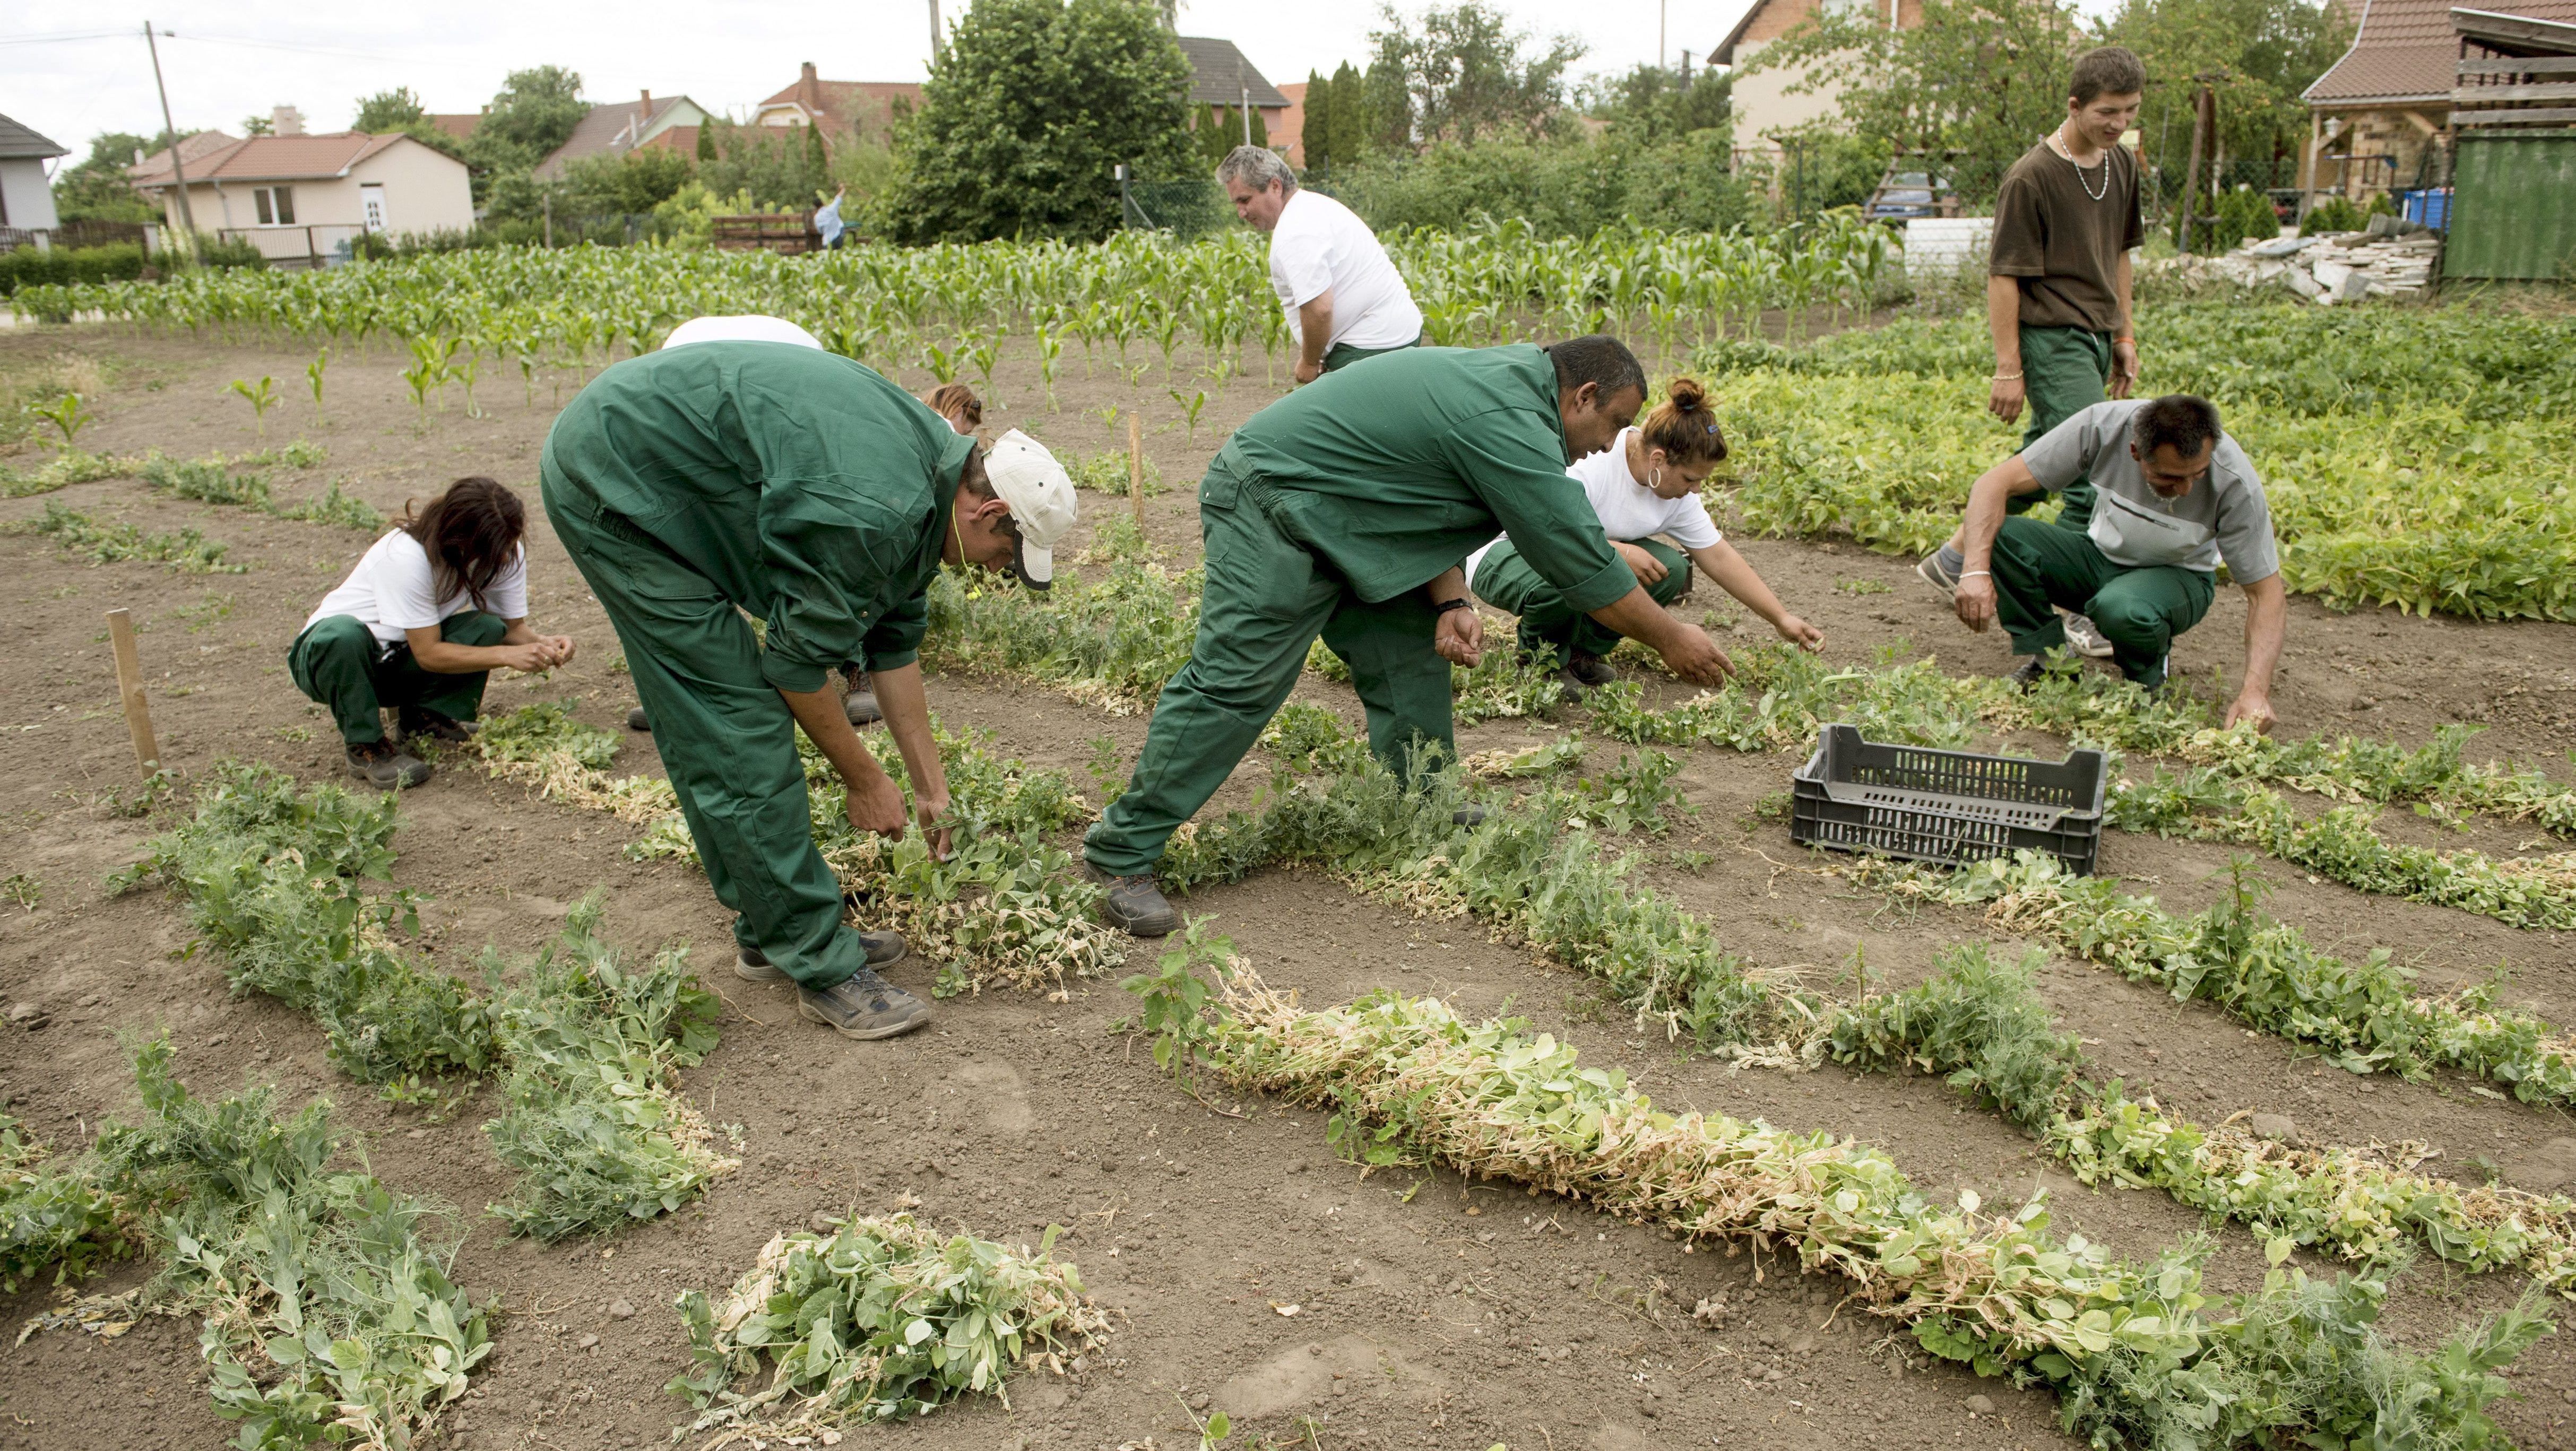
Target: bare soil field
1246, 1265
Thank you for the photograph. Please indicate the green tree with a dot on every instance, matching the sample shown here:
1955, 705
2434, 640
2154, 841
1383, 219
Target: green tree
780, 170
1315, 128
1025, 115
534, 113
396, 110
2258, 55
1350, 131
399, 111
627, 185
1222, 128
1467, 75
1975, 83
706, 141
258, 126
1653, 104
96, 188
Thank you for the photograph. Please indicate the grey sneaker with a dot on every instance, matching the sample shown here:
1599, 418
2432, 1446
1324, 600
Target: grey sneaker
1575, 686
637, 720
1939, 573
2086, 639
1591, 669
1135, 905
385, 766
861, 707
752, 965
864, 1006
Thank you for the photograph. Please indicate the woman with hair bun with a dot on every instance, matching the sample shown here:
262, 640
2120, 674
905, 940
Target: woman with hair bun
1645, 484
430, 611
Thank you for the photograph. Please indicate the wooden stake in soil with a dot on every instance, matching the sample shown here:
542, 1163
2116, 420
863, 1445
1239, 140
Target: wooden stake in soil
129, 684
1136, 469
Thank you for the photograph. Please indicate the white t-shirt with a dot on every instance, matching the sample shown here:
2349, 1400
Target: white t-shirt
1626, 507
746, 328
391, 591
1320, 244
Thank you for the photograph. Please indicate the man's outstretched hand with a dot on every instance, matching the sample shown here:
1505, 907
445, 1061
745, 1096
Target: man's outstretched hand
1693, 656
2254, 708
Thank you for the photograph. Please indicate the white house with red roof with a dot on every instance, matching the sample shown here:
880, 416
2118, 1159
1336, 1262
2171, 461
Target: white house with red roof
301, 198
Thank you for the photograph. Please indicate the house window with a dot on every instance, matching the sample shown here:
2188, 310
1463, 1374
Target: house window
276, 205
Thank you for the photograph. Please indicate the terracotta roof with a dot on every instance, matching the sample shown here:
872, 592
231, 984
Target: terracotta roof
846, 106
2406, 50
610, 128
459, 124
279, 158
18, 143
1219, 75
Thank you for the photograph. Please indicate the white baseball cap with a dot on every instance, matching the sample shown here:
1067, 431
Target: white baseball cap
1040, 495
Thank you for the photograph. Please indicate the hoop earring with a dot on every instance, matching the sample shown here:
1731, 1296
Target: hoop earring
1656, 480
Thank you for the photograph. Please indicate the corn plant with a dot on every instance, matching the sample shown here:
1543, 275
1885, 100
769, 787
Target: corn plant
68, 415
261, 396
1190, 406
313, 375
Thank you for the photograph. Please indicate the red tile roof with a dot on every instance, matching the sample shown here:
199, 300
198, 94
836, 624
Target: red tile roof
262, 158
459, 124
848, 107
2406, 50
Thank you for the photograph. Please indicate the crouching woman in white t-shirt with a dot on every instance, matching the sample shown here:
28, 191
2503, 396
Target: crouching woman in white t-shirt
429, 613
1647, 483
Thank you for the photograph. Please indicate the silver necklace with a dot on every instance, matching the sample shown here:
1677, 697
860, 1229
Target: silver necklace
2057, 143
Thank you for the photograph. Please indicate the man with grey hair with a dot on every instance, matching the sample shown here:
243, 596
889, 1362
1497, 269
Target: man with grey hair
1345, 301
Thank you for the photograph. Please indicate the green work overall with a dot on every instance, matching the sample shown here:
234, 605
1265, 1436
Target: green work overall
2037, 566
1342, 355
2064, 370
696, 485
340, 662
1326, 515
1505, 580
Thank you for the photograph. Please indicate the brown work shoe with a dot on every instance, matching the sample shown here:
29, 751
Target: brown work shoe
1591, 669
385, 766
1134, 905
864, 1006
414, 724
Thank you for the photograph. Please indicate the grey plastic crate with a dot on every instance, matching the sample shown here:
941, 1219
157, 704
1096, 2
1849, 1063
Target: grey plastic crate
1946, 806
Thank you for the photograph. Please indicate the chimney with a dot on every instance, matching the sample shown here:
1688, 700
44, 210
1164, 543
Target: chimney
286, 121
648, 105
813, 89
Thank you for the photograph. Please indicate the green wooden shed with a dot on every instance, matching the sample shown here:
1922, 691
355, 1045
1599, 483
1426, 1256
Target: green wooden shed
2513, 205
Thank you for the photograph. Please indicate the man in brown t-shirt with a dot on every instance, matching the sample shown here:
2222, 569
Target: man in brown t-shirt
2057, 289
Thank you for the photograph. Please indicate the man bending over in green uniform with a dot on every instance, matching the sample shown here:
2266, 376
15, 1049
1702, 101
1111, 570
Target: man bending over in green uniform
697, 484
1345, 509
2174, 497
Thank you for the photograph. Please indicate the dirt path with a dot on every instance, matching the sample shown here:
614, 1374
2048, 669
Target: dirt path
1428, 1311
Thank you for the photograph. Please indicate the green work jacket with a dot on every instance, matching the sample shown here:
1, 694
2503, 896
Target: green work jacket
812, 492
1398, 467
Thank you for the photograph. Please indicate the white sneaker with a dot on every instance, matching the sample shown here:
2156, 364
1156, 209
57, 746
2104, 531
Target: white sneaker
2085, 640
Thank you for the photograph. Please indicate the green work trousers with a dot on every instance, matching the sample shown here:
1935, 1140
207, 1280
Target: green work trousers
1506, 581
2140, 611
1267, 597
339, 662
2064, 371
726, 737
1342, 355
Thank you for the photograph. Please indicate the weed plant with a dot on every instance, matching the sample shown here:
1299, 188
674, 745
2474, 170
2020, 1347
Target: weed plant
2365, 1014
2135, 1353
877, 1319
595, 1126
187, 551
53, 1214
327, 1310
69, 467
213, 480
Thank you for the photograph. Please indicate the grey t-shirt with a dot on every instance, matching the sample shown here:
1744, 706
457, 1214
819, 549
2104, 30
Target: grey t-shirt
2224, 517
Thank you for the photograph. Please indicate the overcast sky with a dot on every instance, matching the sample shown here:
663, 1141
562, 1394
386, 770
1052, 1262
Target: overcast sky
242, 57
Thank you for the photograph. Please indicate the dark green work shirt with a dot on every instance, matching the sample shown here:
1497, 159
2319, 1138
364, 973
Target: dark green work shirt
1396, 468
811, 491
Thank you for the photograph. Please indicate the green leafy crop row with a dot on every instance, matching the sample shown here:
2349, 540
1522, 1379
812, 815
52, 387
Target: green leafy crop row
276, 877
53, 1213
214, 481
2136, 1354
2364, 1014
187, 551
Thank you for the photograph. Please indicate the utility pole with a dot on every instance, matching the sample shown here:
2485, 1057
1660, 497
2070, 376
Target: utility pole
178, 173
2203, 113
938, 42
1661, 7
1246, 87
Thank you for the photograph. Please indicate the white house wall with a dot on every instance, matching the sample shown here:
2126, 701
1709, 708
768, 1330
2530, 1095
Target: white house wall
25, 198
1763, 104
425, 190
